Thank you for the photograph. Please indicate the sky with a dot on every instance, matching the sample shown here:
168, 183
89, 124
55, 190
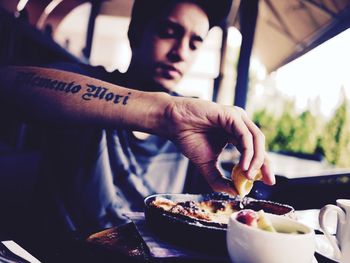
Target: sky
321, 72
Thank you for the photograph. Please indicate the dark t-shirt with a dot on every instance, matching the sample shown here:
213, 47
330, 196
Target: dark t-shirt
97, 175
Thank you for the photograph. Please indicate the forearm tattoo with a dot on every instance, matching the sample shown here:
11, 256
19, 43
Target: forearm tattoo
87, 92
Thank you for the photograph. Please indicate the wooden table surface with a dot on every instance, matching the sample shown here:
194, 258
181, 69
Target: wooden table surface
124, 244
124, 241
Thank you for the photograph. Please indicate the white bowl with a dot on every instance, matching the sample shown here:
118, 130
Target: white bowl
246, 244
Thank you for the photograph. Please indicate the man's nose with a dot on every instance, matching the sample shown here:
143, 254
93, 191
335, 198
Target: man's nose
180, 51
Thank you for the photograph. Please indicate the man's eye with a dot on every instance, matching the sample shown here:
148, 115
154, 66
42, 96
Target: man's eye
166, 32
195, 44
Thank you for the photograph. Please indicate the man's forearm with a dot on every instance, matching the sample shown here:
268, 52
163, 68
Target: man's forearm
61, 97
200, 129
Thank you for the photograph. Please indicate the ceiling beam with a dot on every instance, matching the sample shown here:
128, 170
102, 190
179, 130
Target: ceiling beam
285, 28
338, 25
322, 7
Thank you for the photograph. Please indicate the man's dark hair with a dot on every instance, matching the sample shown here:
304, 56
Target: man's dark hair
144, 10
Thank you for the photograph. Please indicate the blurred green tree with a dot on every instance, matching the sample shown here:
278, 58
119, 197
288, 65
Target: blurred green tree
284, 129
335, 142
304, 138
267, 123
308, 134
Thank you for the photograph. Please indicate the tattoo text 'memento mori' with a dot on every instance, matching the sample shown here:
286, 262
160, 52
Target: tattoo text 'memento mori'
88, 92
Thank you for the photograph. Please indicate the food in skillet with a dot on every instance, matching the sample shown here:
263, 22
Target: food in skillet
216, 211
242, 184
210, 211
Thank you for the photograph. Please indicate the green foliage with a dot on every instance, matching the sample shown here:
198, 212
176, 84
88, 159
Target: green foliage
335, 142
267, 124
284, 130
306, 133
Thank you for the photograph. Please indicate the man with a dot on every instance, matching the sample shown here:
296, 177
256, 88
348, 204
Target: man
100, 170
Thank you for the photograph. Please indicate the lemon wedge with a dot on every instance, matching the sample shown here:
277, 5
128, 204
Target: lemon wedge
264, 223
242, 184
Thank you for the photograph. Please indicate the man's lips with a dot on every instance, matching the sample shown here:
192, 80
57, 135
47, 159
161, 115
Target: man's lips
170, 71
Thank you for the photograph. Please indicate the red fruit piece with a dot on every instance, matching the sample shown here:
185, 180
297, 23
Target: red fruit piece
248, 217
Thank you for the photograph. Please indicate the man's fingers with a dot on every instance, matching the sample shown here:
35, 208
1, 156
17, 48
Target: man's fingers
245, 141
267, 171
225, 185
259, 148
251, 143
216, 180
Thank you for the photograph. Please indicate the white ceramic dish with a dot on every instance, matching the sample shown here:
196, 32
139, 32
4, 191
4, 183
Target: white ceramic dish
247, 244
324, 248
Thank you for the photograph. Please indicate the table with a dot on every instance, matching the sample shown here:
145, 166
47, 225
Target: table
125, 242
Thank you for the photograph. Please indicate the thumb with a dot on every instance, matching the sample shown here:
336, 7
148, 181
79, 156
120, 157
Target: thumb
215, 178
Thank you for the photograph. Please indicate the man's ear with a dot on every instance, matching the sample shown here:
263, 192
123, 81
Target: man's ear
135, 34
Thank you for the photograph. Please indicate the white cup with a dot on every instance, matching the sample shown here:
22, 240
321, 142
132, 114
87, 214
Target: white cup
246, 244
340, 244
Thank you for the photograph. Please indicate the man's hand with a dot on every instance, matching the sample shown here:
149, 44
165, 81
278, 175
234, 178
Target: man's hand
202, 129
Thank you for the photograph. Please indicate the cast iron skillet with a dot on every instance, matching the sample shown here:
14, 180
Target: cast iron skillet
199, 234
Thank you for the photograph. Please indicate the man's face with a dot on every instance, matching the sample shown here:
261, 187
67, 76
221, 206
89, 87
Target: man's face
169, 45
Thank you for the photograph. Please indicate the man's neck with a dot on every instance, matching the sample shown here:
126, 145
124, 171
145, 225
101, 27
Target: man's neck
135, 80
